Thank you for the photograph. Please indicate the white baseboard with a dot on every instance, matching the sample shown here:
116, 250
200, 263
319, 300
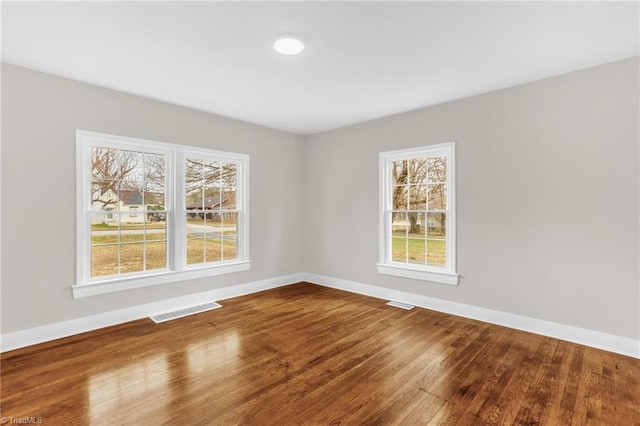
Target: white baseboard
45, 333
596, 339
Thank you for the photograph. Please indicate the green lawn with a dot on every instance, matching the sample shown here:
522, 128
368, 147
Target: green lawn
127, 238
435, 252
201, 250
104, 259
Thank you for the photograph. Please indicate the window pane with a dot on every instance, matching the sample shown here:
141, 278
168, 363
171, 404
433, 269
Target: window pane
194, 168
416, 226
228, 199
438, 196
230, 247
230, 234
104, 227
154, 169
418, 171
156, 231
213, 220
104, 194
193, 181
134, 211
213, 249
417, 197
436, 252
131, 235
154, 195
104, 260
113, 234
399, 249
131, 258
130, 195
399, 197
156, 219
436, 239
436, 225
131, 166
230, 223
211, 174
399, 224
196, 231
212, 199
195, 201
104, 163
195, 250
229, 174
399, 172
437, 169
156, 254
195, 221
416, 251
99, 237
196, 227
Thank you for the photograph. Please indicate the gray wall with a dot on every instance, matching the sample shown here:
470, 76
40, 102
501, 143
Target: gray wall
547, 198
39, 116
547, 195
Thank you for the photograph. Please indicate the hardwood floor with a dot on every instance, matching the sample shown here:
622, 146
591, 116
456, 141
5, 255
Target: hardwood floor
305, 354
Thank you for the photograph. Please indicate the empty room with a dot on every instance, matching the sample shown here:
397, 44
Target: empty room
320, 213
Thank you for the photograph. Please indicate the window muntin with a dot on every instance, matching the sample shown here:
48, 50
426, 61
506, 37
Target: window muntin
132, 215
417, 215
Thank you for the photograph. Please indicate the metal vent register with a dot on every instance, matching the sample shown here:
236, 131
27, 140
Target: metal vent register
168, 316
401, 305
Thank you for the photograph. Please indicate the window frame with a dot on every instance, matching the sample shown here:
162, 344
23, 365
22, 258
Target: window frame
385, 265
175, 189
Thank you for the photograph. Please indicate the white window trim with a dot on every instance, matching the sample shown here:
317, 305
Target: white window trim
385, 265
177, 269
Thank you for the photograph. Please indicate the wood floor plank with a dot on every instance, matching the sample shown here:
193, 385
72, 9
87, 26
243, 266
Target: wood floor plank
537, 400
310, 355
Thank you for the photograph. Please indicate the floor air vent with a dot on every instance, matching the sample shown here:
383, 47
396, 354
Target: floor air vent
401, 305
168, 316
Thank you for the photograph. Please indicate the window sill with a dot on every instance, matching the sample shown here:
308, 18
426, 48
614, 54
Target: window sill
163, 277
418, 274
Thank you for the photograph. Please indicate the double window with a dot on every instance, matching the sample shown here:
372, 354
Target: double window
151, 212
417, 213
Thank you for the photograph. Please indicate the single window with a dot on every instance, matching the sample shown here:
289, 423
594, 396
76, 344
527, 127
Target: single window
417, 213
138, 226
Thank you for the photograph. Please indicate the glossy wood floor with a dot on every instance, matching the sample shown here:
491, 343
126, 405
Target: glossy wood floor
305, 354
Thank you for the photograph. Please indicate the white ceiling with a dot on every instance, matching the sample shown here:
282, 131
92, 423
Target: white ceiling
363, 60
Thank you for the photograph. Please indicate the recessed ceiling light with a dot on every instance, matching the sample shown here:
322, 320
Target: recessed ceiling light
288, 44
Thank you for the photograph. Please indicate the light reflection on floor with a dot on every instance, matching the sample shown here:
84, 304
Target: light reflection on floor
140, 385
204, 355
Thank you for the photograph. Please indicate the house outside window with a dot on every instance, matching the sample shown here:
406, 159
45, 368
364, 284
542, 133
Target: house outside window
135, 227
417, 213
